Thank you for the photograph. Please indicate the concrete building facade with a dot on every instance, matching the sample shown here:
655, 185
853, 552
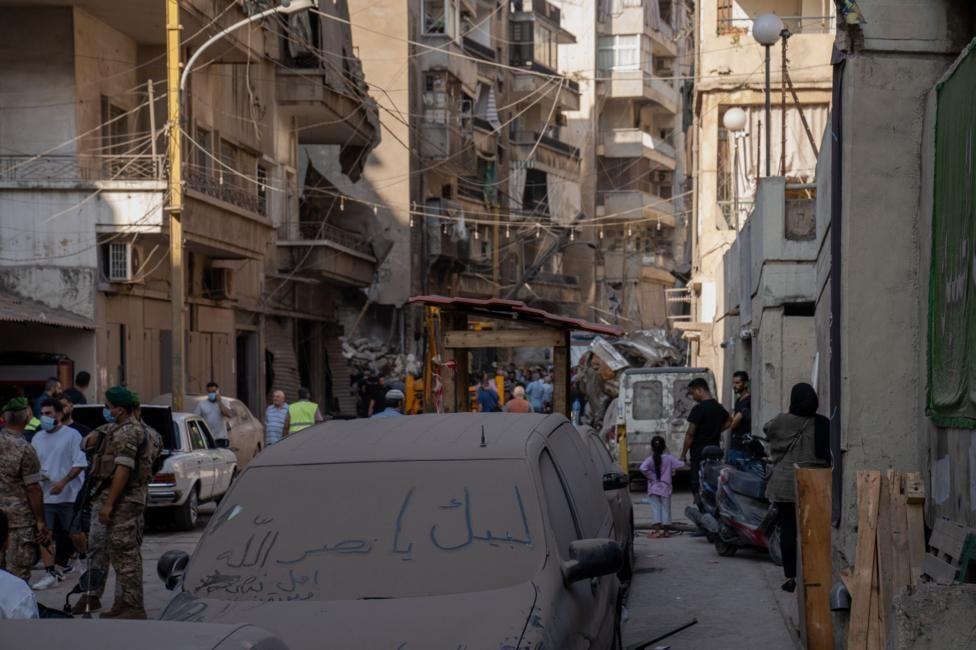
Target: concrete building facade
83, 224
729, 166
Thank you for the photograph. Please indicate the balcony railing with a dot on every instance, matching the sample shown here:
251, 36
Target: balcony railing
318, 231
225, 188
540, 7
530, 138
796, 25
82, 167
478, 50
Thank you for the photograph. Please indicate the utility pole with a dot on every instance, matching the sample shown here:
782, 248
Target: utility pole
175, 201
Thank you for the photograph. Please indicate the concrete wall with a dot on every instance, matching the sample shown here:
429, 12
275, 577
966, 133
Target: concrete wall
37, 109
883, 276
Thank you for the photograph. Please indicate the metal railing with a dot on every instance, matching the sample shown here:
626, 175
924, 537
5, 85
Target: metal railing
796, 24
530, 138
82, 167
317, 231
224, 187
477, 49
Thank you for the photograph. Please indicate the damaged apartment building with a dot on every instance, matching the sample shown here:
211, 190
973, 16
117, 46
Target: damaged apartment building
85, 271
531, 151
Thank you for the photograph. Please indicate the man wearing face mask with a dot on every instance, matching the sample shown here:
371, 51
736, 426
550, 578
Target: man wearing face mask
58, 448
121, 469
214, 409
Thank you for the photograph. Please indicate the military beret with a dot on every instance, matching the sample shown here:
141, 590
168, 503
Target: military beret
121, 396
16, 404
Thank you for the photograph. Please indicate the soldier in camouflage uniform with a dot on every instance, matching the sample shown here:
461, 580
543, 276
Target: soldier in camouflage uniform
21, 497
121, 470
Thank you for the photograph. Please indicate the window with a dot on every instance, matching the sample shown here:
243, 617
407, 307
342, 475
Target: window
203, 151
682, 403
438, 17
561, 516
648, 400
545, 47
620, 52
115, 128
205, 432
585, 488
197, 440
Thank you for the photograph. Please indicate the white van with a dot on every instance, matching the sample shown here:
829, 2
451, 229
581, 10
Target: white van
655, 402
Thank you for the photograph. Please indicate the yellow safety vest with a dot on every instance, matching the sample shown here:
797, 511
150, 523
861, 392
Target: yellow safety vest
302, 415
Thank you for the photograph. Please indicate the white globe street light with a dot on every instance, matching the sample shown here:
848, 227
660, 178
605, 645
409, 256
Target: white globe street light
734, 119
767, 29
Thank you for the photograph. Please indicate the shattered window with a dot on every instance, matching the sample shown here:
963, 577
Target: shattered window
648, 400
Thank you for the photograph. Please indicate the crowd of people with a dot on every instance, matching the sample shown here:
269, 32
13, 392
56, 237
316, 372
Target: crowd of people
70, 495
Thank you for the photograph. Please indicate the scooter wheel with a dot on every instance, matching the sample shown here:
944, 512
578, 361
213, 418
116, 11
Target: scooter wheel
774, 548
725, 549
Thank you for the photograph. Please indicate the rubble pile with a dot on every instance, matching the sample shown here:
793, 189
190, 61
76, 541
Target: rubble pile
373, 355
602, 365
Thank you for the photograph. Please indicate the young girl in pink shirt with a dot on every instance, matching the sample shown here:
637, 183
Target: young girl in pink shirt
658, 468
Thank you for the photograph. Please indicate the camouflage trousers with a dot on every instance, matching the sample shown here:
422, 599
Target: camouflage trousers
119, 544
21, 552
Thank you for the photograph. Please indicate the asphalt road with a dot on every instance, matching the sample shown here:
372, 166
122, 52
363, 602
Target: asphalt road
736, 600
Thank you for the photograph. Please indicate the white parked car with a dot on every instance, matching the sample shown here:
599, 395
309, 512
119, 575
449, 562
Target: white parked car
191, 468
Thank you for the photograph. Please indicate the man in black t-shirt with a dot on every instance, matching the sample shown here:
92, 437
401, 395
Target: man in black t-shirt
706, 422
741, 418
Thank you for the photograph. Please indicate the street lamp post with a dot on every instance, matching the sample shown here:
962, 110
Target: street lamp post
175, 85
734, 122
766, 29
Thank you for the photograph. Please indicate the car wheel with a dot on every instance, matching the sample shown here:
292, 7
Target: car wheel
627, 570
725, 549
186, 515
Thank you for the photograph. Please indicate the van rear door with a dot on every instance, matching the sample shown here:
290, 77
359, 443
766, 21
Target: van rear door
645, 413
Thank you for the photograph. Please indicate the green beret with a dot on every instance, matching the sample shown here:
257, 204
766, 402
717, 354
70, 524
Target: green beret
16, 404
121, 396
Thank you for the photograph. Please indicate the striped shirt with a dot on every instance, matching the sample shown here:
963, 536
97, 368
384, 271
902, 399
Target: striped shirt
274, 423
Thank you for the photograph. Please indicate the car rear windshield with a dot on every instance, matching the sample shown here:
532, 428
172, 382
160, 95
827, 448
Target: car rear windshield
371, 530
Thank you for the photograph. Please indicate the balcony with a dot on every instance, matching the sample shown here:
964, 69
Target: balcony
450, 144
229, 189
635, 17
635, 143
639, 85
478, 50
552, 288
326, 110
636, 204
550, 154
535, 88
321, 248
131, 188
448, 56
57, 171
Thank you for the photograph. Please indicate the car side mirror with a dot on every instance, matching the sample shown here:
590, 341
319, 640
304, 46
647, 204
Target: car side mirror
592, 558
171, 567
615, 481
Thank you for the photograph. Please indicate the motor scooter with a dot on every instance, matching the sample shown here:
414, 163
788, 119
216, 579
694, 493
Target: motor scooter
704, 512
90, 580
745, 516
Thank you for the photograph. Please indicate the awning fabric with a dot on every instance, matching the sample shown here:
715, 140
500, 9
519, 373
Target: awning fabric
14, 309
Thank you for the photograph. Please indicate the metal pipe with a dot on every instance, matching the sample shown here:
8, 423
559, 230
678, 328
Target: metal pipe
769, 124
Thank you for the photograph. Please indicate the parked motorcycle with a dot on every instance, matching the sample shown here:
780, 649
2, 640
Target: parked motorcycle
704, 512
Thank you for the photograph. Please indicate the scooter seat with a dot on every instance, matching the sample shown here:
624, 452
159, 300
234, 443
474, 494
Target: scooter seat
746, 484
711, 473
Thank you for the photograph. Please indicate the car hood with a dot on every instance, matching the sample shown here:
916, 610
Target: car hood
492, 619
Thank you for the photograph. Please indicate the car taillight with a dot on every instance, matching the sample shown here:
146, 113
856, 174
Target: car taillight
723, 476
164, 478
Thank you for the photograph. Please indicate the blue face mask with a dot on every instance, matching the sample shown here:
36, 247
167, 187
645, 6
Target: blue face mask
48, 423
108, 415
212, 397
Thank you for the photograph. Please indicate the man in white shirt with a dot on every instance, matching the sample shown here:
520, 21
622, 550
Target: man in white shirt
214, 409
16, 598
63, 463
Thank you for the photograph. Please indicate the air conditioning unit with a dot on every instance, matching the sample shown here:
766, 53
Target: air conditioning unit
218, 283
121, 261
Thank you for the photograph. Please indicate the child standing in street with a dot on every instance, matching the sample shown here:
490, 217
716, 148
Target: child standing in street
659, 468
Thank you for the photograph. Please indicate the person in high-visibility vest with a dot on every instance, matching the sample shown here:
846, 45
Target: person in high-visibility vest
304, 413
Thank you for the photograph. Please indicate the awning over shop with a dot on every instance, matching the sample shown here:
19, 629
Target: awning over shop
14, 309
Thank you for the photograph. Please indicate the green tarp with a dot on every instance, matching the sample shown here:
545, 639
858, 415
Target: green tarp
952, 286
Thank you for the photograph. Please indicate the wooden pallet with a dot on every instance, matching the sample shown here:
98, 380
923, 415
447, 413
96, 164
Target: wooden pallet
951, 554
